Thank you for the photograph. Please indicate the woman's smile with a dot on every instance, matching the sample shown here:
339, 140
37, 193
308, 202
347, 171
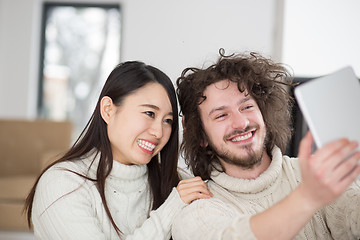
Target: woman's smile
146, 146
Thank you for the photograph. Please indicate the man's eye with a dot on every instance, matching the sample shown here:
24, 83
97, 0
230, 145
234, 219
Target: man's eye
247, 107
220, 116
150, 114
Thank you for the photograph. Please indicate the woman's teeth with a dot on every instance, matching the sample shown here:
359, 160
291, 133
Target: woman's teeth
146, 145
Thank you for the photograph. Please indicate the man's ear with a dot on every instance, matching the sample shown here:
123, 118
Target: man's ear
107, 108
183, 121
204, 143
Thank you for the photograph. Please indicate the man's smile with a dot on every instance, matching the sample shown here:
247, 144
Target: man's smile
242, 137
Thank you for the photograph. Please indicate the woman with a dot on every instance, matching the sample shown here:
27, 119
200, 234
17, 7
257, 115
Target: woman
118, 180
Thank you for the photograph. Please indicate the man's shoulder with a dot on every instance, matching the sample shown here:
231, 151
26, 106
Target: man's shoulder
294, 160
203, 207
291, 162
199, 219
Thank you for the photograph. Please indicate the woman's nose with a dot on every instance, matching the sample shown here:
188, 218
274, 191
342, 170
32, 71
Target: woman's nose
156, 129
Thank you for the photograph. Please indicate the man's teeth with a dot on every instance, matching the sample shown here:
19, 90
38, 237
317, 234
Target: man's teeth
144, 144
242, 137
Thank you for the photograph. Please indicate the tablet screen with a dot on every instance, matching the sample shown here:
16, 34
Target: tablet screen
331, 106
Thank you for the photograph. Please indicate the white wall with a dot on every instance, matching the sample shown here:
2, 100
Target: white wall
168, 34
18, 55
321, 36
175, 34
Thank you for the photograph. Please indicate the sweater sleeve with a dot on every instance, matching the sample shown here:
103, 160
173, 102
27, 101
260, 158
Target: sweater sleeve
158, 225
211, 219
62, 208
65, 208
343, 216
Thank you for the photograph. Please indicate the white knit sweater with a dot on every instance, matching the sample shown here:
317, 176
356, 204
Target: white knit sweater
68, 207
227, 214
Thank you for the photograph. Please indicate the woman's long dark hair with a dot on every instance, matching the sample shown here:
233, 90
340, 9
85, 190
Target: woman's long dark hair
162, 173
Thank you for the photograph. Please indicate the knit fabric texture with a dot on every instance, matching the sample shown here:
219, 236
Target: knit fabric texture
227, 214
67, 206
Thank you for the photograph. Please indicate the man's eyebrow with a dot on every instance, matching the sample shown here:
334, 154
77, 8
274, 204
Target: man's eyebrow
220, 108
217, 109
245, 99
154, 107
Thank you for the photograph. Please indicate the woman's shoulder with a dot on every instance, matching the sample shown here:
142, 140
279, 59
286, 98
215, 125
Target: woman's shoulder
64, 177
64, 192
79, 165
73, 168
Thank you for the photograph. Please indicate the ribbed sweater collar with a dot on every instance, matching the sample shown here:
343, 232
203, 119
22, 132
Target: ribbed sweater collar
252, 186
128, 172
121, 171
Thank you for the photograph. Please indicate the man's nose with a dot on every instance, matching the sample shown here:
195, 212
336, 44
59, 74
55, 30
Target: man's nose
239, 120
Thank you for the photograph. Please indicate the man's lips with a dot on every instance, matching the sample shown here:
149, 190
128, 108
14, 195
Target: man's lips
242, 137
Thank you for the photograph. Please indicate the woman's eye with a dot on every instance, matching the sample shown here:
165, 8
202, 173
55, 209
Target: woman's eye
169, 121
150, 114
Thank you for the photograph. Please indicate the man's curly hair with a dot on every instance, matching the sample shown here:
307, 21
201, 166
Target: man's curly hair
265, 80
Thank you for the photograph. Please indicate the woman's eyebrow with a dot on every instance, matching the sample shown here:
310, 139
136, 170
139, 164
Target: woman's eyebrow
154, 107
150, 106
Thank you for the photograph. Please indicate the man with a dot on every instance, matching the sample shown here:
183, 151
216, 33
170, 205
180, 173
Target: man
236, 116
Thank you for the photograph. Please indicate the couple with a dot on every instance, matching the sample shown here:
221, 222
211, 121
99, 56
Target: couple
120, 178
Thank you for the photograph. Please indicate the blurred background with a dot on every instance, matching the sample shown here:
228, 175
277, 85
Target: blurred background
56, 55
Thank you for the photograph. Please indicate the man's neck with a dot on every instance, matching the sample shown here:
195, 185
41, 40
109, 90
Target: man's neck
253, 173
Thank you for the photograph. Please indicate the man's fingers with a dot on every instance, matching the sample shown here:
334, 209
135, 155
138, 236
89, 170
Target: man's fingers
346, 181
335, 164
335, 150
347, 167
305, 148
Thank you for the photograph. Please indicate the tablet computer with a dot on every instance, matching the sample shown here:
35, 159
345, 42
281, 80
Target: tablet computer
331, 106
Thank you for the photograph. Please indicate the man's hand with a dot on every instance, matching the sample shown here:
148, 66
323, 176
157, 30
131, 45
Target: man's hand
328, 172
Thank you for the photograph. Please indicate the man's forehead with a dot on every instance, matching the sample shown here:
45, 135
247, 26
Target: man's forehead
223, 84
222, 95
223, 87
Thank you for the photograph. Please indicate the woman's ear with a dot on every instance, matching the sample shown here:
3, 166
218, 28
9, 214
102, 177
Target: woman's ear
107, 108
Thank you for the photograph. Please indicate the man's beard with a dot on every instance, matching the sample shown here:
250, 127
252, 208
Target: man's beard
252, 159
